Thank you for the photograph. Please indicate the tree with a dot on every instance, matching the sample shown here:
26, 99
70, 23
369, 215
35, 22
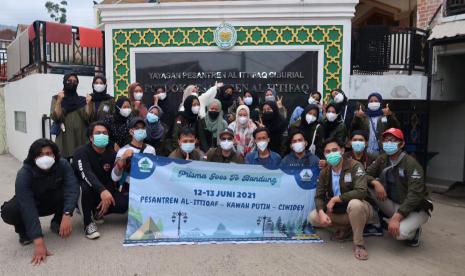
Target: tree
57, 11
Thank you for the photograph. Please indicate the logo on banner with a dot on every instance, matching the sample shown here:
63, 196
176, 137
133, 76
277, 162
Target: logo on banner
145, 165
225, 36
306, 175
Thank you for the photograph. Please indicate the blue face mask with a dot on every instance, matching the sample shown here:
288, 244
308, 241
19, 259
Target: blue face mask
152, 118
358, 146
334, 158
140, 134
390, 148
100, 140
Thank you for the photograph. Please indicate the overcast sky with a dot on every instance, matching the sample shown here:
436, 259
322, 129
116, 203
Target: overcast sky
13, 12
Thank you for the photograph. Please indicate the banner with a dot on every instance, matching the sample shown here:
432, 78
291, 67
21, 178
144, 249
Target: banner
185, 202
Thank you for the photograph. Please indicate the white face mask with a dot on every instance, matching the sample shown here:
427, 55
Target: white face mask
374, 106
310, 118
195, 109
269, 98
298, 147
226, 144
262, 145
45, 162
331, 116
243, 120
248, 100
161, 96
339, 98
125, 112
138, 96
187, 147
99, 88
311, 100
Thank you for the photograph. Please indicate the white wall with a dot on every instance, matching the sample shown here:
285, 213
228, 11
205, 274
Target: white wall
2, 120
391, 87
33, 94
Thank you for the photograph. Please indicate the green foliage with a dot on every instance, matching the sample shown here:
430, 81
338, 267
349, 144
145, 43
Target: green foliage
136, 214
57, 11
160, 224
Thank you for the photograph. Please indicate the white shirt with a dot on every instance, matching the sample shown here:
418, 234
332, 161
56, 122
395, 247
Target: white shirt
148, 149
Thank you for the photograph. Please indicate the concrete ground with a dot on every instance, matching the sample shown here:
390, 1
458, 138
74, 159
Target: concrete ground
441, 253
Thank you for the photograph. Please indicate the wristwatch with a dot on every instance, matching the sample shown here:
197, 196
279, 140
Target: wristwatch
68, 214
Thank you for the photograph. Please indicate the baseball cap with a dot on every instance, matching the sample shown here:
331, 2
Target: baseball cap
394, 132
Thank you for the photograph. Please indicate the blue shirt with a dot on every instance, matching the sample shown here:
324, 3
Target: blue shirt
336, 187
273, 160
309, 160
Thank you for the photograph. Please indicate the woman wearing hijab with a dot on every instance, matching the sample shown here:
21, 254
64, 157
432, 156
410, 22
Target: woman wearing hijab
205, 99
276, 124
243, 128
156, 130
189, 118
272, 96
135, 94
315, 98
228, 96
343, 104
72, 113
168, 102
251, 100
313, 131
375, 120
104, 104
118, 123
214, 123
333, 125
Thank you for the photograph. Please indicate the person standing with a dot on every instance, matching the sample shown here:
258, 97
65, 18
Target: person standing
136, 95
118, 123
276, 124
243, 128
214, 123
156, 130
103, 104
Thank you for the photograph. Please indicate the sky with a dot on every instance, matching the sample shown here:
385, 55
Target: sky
13, 12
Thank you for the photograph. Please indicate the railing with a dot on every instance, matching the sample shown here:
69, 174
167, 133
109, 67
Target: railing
454, 7
3, 61
43, 56
378, 49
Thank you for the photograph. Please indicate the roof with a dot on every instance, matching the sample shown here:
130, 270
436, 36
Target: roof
7, 34
448, 30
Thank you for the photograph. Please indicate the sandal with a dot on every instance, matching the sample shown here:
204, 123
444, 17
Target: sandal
342, 235
360, 252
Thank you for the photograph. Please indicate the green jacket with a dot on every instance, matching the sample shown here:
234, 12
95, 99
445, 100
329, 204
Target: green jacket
75, 133
105, 109
356, 188
410, 182
366, 160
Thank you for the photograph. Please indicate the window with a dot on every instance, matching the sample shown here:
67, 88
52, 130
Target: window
454, 7
20, 121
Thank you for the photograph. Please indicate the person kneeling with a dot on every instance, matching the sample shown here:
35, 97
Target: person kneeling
398, 188
225, 153
100, 195
340, 198
45, 185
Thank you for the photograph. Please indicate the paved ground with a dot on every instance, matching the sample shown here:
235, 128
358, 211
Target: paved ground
441, 253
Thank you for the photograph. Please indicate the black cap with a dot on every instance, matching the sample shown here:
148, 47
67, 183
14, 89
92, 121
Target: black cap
134, 121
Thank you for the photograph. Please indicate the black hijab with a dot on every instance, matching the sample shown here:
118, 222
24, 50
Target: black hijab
119, 103
102, 96
330, 126
225, 99
72, 101
303, 122
274, 122
187, 113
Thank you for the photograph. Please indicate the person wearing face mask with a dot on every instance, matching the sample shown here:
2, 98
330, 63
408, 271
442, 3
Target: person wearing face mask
103, 104
276, 125
186, 149
122, 170
205, 99
340, 198
189, 118
313, 131
227, 96
214, 124
251, 100
168, 101
262, 155
397, 187
243, 128
136, 95
299, 157
99, 194
375, 120
156, 131
72, 113
272, 96
225, 153
315, 98
45, 185
358, 144
333, 125
118, 123
346, 106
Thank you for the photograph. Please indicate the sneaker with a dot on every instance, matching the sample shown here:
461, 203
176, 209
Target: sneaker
24, 239
98, 219
55, 227
415, 242
372, 230
92, 231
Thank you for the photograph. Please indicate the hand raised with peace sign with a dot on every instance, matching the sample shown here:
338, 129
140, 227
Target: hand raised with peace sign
259, 123
279, 102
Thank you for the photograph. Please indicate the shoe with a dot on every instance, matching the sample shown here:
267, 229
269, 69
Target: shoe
415, 242
372, 230
98, 219
55, 227
92, 231
24, 239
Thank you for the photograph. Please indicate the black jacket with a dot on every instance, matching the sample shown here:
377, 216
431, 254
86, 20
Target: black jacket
34, 186
94, 168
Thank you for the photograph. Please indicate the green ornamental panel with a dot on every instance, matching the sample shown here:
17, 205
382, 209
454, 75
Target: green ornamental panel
330, 36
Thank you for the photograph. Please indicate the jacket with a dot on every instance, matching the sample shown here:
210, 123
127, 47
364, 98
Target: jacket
216, 155
308, 133
291, 160
365, 125
366, 160
178, 154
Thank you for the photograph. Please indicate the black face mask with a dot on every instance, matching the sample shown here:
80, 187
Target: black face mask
70, 87
213, 114
267, 116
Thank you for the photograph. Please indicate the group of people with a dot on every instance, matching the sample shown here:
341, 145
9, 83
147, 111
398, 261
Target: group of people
366, 177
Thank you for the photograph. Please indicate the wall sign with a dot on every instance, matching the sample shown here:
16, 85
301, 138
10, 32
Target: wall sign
225, 36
